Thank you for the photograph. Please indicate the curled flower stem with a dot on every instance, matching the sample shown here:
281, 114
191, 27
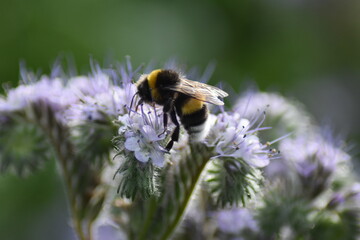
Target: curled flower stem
55, 133
71, 196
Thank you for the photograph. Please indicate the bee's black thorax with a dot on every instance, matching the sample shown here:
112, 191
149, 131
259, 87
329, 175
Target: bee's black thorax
167, 78
164, 79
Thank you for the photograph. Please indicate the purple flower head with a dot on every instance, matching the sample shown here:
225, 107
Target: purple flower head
311, 153
234, 136
235, 220
144, 135
97, 106
314, 159
97, 82
98, 97
283, 114
51, 91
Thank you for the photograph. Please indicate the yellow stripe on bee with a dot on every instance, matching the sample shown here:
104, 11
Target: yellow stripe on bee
191, 106
152, 77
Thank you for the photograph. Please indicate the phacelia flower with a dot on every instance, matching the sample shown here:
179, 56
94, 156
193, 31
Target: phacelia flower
234, 136
99, 97
312, 151
144, 134
282, 114
315, 160
50, 91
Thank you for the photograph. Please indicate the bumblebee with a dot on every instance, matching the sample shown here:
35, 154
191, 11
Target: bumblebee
180, 97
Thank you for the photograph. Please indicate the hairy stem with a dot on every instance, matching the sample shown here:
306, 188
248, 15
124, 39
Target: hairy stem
199, 157
149, 218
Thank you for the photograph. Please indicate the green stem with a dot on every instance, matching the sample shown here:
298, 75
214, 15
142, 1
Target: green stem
88, 230
149, 218
78, 228
204, 159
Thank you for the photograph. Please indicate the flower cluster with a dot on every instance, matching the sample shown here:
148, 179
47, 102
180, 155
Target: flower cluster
89, 124
77, 99
313, 155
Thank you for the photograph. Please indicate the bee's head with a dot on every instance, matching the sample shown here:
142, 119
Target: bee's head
144, 90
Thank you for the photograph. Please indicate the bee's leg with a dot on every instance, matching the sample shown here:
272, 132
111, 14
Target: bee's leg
165, 120
176, 132
167, 107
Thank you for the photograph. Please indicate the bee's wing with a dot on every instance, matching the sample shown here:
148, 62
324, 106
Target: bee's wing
200, 91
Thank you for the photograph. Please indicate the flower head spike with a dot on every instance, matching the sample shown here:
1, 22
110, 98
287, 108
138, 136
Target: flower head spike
50, 91
238, 153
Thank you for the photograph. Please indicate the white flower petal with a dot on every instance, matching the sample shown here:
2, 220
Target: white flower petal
157, 158
132, 144
244, 122
142, 155
150, 133
258, 162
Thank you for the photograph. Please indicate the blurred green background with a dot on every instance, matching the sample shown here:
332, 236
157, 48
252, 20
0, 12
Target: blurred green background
306, 49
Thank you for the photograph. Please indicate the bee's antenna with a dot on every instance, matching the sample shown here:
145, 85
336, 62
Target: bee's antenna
132, 101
